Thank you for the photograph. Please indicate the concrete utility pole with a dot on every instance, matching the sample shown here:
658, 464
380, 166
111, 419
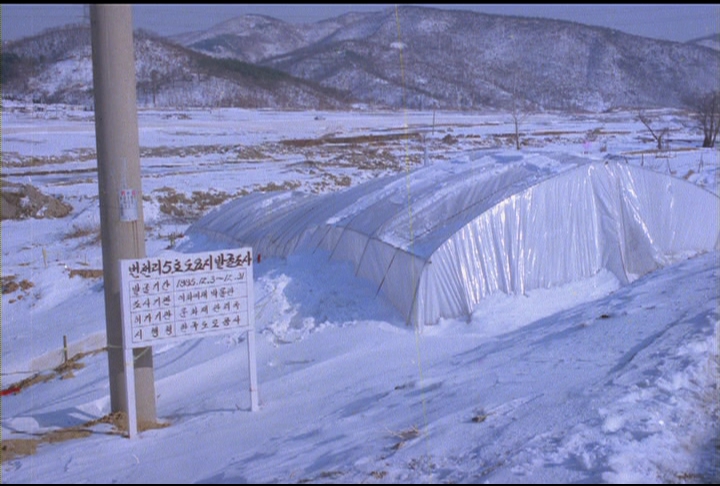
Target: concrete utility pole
121, 216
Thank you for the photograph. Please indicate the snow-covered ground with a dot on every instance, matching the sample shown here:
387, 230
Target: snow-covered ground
588, 382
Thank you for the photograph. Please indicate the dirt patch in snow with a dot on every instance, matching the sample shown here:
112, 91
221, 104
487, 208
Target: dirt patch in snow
10, 284
117, 421
13, 448
22, 201
86, 272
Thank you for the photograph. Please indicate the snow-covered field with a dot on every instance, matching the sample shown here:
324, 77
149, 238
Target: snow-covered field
587, 382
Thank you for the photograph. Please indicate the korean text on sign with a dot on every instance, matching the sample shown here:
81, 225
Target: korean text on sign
191, 297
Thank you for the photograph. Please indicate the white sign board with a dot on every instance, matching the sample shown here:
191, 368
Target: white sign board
193, 296
128, 205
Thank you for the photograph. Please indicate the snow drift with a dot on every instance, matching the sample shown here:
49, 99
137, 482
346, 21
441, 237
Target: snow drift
438, 239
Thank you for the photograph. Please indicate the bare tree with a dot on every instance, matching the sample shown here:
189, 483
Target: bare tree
154, 84
706, 111
518, 112
659, 134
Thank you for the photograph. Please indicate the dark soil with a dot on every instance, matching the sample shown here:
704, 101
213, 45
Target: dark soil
22, 201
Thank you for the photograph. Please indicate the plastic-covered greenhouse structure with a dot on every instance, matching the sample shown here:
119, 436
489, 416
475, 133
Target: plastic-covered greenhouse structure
440, 238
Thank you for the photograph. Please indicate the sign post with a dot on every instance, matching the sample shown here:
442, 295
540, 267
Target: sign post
197, 295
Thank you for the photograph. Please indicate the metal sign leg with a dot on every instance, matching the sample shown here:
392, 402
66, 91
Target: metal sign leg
254, 403
130, 391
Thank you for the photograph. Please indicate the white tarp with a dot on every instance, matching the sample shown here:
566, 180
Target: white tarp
437, 240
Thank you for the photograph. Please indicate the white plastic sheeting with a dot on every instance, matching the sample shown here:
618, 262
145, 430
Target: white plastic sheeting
437, 240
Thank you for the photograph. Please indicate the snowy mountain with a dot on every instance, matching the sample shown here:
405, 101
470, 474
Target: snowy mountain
248, 38
465, 60
253, 38
413, 57
56, 67
710, 41
459, 59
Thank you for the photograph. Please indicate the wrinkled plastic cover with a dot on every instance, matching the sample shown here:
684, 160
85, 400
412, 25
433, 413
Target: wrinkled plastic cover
437, 240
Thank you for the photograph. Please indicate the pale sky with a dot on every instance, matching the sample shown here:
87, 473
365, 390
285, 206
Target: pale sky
679, 22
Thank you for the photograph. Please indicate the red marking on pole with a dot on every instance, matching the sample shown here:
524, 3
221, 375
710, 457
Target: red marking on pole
10, 391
